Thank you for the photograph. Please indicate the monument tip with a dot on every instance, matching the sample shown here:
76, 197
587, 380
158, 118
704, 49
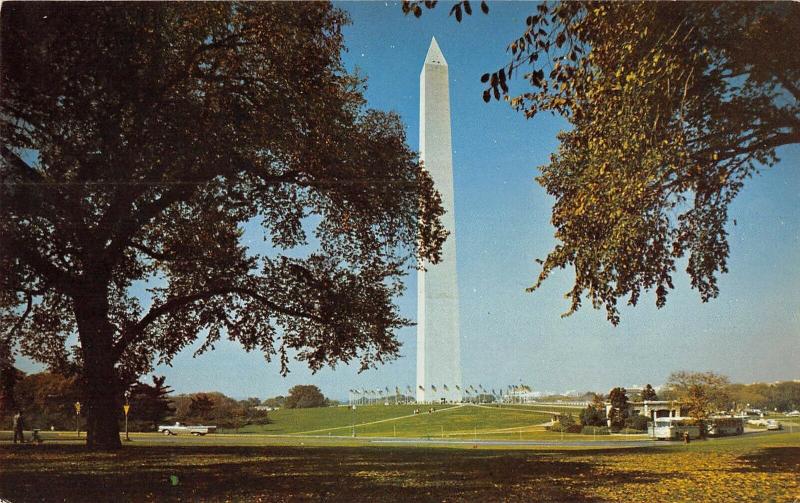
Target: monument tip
435, 56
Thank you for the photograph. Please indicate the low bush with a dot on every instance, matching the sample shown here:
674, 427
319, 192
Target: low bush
566, 428
593, 417
636, 423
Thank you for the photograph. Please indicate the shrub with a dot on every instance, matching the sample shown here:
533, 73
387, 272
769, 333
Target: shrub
636, 423
591, 416
565, 427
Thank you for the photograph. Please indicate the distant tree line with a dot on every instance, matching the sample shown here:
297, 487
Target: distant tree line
48, 399
214, 408
700, 394
302, 396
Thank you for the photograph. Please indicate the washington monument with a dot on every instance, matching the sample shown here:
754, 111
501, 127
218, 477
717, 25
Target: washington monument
438, 348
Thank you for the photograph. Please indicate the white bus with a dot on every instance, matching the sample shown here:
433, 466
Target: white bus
721, 426
673, 428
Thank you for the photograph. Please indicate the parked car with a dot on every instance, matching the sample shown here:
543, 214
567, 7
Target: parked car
180, 428
773, 424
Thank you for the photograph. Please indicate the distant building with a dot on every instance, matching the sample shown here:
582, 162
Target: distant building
653, 409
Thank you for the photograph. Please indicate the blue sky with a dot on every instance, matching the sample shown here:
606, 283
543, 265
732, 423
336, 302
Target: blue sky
750, 332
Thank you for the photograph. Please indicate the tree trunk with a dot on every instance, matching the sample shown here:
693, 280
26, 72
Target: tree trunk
100, 381
8, 379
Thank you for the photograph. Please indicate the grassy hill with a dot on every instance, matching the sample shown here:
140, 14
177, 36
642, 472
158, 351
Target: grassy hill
399, 420
286, 421
462, 421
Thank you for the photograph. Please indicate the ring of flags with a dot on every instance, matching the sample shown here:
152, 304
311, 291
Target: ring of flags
473, 392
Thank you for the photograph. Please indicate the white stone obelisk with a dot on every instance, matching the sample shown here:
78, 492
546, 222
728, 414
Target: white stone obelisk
438, 347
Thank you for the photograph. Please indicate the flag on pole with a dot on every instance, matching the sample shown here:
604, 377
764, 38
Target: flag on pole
421, 388
445, 387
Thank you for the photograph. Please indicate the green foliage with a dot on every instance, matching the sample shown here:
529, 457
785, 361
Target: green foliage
150, 404
137, 141
565, 427
47, 399
637, 422
216, 409
9, 377
783, 396
593, 416
305, 397
457, 9
649, 393
565, 423
201, 407
673, 105
619, 407
701, 392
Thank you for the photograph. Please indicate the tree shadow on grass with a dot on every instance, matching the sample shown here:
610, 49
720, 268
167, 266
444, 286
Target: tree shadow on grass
281, 473
772, 460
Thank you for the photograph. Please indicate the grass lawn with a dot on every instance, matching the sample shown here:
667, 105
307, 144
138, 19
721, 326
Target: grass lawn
756, 467
458, 421
399, 420
285, 421
562, 409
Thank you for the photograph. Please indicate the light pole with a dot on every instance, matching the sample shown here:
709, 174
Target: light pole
77, 418
126, 408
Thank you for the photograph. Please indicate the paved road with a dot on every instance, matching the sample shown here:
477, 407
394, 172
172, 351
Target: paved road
508, 443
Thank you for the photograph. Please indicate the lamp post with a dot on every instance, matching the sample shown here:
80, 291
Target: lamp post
126, 408
77, 417
353, 419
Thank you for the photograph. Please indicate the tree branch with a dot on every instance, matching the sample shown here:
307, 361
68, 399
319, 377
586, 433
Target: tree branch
152, 253
177, 303
18, 325
52, 274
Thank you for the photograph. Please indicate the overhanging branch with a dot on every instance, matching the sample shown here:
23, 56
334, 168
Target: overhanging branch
177, 303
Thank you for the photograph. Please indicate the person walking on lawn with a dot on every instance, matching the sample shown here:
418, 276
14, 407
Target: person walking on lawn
18, 427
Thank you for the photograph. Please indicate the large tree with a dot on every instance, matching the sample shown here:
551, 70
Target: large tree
618, 398
150, 404
304, 396
140, 140
671, 106
47, 399
648, 393
701, 392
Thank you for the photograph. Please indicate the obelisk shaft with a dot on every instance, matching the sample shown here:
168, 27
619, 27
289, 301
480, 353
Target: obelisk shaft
438, 347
